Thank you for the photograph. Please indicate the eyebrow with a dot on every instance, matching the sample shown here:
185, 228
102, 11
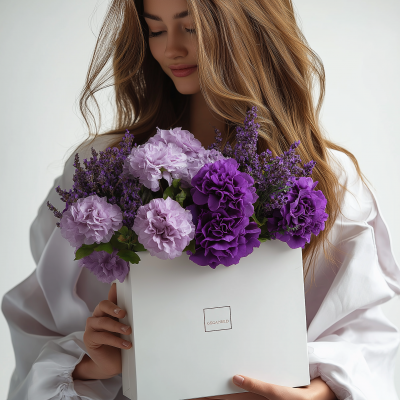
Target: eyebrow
182, 14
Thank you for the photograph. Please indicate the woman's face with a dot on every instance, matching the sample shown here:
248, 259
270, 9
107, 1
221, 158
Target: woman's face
173, 42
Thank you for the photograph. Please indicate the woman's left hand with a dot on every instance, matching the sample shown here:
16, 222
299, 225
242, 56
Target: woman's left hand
258, 390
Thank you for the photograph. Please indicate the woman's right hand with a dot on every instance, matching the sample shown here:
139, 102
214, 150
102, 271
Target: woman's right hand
102, 341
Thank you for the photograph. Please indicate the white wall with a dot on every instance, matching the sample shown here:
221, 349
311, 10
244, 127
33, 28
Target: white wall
44, 51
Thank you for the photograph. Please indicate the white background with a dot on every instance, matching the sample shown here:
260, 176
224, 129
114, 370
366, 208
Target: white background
45, 48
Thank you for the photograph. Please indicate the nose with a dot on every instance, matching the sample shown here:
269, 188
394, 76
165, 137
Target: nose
175, 46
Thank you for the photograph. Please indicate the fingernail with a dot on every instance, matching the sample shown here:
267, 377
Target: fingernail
124, 328
117, 310
238, 380
125, 343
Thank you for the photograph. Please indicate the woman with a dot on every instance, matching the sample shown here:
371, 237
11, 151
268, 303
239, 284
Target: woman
201, 64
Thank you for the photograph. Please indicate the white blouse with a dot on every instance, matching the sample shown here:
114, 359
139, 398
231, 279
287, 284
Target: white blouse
351, 344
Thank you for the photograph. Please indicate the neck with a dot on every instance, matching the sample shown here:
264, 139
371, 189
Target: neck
203, 121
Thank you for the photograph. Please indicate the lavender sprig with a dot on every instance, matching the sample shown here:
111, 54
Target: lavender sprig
272, 175
56, 213
101, 176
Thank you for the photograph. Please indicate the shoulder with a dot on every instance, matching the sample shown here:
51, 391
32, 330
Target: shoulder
344, 168
357, 201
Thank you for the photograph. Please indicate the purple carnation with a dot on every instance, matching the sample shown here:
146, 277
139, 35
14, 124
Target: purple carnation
90, 220
164, 228
152, 161
181, 138
302, 215
223, 239
107, 267
221, 185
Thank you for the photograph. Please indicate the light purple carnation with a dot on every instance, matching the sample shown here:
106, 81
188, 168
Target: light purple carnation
203, 158
107, 267
152, 161
183, 139
90, 220
164, 228
197, 155
195, 164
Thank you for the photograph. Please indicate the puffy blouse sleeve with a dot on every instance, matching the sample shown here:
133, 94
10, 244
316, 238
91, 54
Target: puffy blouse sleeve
47, 314
352, 345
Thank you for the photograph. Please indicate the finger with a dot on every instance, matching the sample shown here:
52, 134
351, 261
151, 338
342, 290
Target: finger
112, 294
108, 308
94, 340
268, 390
101, 324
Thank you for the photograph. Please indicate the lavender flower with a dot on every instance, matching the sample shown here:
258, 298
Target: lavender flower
272, 175
164, 228
223, 238
221, 185
278, 173
102, 176
302, 215
152, 161
107, 267
90, 220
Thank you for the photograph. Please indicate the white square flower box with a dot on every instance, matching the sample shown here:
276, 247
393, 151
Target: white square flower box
194, 328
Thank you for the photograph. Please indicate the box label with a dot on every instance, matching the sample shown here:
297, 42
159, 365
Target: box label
217, 319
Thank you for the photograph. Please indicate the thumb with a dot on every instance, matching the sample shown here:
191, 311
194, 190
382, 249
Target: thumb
268, 390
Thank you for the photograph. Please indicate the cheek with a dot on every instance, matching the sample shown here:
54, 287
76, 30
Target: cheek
157, 49
192, 47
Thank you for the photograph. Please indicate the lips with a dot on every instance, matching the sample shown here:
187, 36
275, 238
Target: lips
183, 70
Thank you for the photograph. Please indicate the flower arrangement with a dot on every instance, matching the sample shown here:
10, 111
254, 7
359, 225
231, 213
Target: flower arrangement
171, 195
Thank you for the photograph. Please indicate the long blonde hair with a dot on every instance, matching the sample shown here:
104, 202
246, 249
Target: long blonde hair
250, 53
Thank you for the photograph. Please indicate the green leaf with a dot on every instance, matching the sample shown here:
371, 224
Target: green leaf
124, 231
191, 247
122, 239
176, 183
105, 247
84, 250
146, 195
265, 234
264, 229
139, 247
116, 244
180, 198
169, 192
263, 239
255, 219
129, 255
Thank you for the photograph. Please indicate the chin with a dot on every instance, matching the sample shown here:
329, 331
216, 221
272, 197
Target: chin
187, 89
187, 86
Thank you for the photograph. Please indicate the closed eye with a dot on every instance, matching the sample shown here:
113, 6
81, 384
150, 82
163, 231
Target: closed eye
155, 34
